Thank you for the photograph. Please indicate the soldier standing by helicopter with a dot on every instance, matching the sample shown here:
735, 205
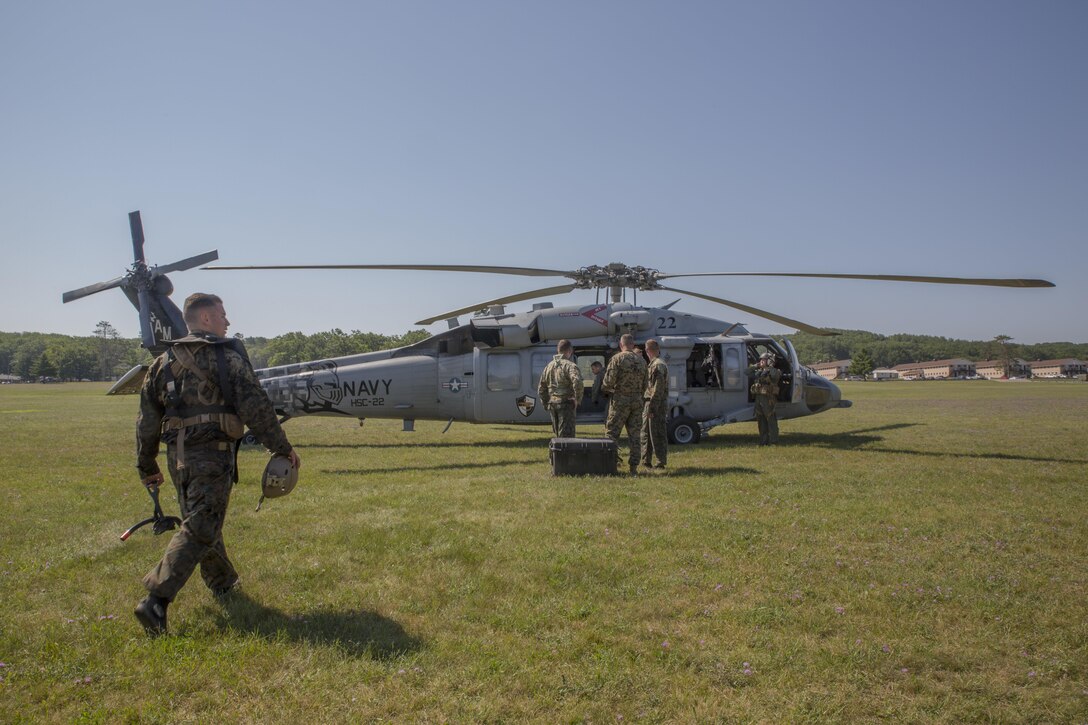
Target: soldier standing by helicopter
625, 381
654, 434
765, 377
198, 397
560, 390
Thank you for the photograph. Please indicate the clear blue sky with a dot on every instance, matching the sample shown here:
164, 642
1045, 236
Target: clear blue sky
931, 137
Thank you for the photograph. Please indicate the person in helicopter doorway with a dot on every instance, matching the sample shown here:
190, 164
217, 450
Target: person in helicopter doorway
597, 369
197, 397
765, 377
560, 390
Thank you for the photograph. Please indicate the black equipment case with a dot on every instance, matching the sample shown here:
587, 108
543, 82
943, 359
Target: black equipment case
583, 456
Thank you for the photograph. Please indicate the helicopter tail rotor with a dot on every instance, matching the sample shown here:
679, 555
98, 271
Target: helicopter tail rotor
148, 289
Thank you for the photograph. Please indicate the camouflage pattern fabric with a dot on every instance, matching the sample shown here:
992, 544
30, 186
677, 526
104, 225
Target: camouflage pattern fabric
654, 437
560, 390
765, 387
561, 380
626, 412
250, 400
625, 381
203, 488
204, 483
563, 418
625, 375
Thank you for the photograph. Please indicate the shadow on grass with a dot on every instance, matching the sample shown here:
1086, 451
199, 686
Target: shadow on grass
858, 439
358, 633
520, 443
437, 467
711, 471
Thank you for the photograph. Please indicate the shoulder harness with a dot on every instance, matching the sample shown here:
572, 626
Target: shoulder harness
216, 396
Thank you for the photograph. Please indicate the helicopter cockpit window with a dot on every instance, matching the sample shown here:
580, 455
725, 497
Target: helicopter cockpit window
504, 371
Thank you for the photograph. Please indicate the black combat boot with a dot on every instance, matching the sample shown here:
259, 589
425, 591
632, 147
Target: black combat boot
152, 614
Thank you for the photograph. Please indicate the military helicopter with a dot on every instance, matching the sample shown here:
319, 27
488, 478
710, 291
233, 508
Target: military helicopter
487, 370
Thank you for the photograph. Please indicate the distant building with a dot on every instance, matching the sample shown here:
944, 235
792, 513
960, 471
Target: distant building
885, 374
996, 368
1063, 368
832, 370
936, 369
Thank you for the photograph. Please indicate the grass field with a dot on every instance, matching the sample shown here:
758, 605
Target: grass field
922, 556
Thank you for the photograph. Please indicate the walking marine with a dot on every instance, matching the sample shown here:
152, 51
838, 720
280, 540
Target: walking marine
764, 378
625, 382
655, 411
560, 390
198, 397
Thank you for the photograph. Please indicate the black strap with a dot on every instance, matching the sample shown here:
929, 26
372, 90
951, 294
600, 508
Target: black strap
225, 388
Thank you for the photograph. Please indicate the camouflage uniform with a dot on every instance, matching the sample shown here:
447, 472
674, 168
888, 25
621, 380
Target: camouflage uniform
765, 387
624, 381
560, 391
207, 472
654, 414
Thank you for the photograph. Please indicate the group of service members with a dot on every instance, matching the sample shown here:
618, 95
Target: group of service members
638, 395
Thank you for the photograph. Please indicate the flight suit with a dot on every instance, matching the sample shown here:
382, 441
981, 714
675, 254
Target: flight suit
200, 426
625, 381
560, 391
765, 387
655, 410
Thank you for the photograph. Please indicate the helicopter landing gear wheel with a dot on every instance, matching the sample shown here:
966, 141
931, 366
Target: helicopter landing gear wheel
684, 430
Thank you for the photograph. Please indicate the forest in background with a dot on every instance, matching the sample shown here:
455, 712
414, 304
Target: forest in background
105, 355
888, 350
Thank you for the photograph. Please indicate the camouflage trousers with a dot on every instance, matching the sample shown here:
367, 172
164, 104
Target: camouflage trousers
203, 488
767, 420
625, 411
562, 412
655, 440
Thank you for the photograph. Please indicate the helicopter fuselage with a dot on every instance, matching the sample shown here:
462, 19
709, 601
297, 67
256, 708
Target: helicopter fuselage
487, 371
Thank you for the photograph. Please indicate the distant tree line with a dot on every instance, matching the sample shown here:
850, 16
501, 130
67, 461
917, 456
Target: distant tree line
105, 355
882, 351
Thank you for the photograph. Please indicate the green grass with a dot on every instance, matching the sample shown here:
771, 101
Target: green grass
922, 556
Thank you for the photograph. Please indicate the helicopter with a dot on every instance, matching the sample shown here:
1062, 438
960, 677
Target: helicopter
487, 369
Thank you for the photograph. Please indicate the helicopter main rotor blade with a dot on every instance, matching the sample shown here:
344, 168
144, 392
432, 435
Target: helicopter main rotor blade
523, 271
546, 292
188, 263
985, 282
136, 227
756, 311
91, 289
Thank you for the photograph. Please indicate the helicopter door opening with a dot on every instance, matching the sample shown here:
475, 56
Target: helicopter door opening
783, 361
704, 367
587, 358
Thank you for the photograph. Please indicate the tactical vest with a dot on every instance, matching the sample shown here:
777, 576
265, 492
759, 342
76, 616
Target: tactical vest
215, 397
764, 384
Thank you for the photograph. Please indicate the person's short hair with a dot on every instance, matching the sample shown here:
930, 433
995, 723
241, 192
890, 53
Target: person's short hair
627, 341
564, 347
652, 345
196, 302
596, 364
